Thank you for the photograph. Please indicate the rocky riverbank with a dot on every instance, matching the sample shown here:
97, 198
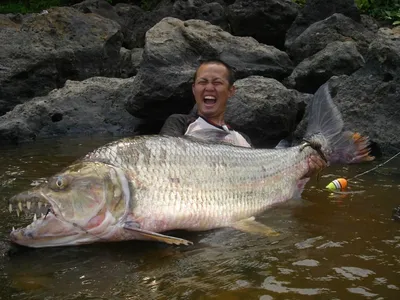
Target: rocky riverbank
94, 68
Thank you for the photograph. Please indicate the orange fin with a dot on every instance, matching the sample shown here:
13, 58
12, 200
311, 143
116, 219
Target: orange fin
361, 144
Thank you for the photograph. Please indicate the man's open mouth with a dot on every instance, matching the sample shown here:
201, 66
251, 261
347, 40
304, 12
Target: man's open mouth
210, 100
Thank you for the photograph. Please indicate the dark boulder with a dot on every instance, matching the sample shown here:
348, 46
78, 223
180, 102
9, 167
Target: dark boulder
337, 58
317, 10
370, 98
44, 50
265, 110
266, 21
335, 28
172, 53
81, 108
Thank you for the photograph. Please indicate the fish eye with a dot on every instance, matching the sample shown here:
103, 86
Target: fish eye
59, 183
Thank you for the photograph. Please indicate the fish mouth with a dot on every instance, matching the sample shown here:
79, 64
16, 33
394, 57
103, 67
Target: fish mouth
47, 223
31, 203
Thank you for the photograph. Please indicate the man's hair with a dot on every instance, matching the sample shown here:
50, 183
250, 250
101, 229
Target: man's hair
231, 73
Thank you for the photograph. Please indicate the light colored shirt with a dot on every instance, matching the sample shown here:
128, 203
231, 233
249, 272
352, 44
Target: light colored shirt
233, 137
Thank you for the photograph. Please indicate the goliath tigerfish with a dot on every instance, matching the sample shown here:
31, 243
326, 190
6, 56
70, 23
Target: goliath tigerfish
138, 188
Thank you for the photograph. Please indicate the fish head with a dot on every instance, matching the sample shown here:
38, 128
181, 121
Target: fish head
77, 206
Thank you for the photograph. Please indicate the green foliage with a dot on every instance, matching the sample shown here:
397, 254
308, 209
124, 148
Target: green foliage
28, 6
300, 2
388, 10
39, 5
149, 4
18, 7
381, 9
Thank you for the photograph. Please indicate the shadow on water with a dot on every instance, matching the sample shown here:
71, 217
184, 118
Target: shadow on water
335, 246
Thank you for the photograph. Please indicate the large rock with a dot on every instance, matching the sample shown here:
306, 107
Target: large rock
136, 22
335, 28
317, 10
266, 21
265, 110
338, 58
130, 61
370, 98
172, 53
212, 11
91, 106
105, 9
44, 50
100, 7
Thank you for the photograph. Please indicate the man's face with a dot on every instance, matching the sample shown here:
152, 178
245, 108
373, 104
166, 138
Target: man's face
211, 90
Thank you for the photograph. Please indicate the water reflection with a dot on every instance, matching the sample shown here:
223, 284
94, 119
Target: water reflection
331, 245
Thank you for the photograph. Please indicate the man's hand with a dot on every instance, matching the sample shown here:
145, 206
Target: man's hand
315, 165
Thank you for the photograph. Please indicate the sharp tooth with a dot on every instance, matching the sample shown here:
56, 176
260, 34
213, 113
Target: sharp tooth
17, 213
20, 206
39, 204
13, 228
28, 204
10, 207
34, 218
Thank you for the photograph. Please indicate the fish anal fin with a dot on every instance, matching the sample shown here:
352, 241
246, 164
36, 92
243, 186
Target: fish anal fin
153, 236
251, 226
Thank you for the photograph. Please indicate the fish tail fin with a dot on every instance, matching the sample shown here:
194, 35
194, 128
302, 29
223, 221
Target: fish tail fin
326, 129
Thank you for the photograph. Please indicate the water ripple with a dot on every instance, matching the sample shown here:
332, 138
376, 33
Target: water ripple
353, 273
361, 291
271, 284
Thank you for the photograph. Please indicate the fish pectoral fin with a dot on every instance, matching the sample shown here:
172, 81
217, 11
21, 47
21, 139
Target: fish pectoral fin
251, 226
149, 235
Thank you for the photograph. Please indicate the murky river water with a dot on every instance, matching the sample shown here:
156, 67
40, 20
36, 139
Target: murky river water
331, 247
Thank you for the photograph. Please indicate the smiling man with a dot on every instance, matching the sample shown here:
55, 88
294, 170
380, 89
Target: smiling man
212, 87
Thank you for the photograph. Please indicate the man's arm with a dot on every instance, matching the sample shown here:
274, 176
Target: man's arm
175, 125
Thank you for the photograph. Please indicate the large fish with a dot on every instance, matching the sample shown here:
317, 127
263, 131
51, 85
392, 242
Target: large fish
138, 188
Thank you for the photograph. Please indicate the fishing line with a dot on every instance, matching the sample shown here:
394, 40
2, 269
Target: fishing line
378, 166
341, 183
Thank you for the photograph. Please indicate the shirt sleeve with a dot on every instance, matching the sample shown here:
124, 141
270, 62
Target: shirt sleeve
242, 141
175, 125
246, 139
